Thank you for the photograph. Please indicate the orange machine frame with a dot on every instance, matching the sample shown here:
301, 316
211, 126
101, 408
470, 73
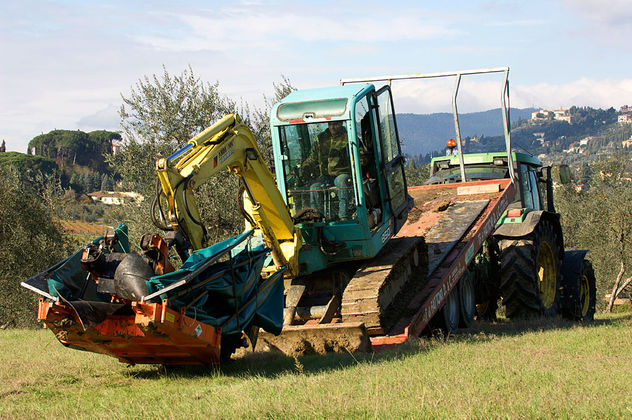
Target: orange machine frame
153, 333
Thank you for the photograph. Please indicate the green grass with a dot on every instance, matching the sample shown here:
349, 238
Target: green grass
507, 370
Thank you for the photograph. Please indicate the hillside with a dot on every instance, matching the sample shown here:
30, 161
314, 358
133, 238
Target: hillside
22, 162
71, 148
424, 133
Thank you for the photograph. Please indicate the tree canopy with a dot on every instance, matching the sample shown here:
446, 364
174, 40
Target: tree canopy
75, 147
31, 242
159, 115
600, 219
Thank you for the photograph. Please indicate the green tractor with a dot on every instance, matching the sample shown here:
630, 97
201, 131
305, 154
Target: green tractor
524, 262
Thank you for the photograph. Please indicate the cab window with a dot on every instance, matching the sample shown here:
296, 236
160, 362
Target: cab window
317, 169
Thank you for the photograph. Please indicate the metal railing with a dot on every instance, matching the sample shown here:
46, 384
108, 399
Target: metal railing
504, 100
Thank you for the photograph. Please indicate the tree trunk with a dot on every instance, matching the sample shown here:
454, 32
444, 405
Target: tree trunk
615, 289
625, 284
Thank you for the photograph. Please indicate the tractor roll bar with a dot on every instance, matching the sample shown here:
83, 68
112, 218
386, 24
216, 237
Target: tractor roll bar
504, 100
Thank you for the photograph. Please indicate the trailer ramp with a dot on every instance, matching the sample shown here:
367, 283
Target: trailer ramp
456, 220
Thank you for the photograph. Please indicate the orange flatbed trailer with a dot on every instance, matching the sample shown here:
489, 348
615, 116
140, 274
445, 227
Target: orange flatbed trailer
429, 218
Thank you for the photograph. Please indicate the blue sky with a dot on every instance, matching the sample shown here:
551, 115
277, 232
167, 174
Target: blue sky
66, 63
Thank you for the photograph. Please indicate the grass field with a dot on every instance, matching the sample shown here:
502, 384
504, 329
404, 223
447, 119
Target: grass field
508, 370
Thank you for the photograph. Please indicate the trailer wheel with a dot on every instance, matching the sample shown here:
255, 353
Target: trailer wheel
530, 273
449, 314
230, 343
467, 299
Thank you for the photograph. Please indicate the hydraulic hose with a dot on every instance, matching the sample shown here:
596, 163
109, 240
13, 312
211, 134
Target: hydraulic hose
152, 210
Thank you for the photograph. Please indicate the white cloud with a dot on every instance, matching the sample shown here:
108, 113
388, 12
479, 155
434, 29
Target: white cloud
604, 93
436, 96
513, 23
226, 30
65, 61
606, 13
607, 23
106, 118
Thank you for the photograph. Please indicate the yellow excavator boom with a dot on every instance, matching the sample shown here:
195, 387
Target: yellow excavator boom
229, 144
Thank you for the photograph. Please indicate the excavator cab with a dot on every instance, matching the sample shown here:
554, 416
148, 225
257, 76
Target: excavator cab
340, 169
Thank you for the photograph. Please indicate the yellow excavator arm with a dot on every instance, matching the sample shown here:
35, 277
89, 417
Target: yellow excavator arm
229, 144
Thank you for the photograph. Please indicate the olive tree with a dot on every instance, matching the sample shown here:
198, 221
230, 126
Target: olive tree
600, 219
159, 115
31, 241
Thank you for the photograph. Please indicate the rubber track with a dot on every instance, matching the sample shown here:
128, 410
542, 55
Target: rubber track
380, 290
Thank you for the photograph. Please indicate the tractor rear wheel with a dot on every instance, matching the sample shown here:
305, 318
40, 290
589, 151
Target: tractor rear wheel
530, 273
487, 281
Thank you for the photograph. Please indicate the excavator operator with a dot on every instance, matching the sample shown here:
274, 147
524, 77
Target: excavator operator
329, 163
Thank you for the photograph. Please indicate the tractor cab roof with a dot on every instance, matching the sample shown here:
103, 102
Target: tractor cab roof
320, 104
493, 158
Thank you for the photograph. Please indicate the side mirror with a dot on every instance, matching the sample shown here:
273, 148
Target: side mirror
561, 174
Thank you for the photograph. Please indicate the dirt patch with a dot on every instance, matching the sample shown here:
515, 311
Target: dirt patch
316, 339
423, 195
414, 215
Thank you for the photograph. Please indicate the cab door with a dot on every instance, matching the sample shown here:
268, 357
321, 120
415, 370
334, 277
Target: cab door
393, 161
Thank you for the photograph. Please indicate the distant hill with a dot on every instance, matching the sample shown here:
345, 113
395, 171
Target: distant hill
424, 133
23, 163
74, 147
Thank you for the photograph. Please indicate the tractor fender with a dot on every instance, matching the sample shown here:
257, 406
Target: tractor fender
571, 272
518, 230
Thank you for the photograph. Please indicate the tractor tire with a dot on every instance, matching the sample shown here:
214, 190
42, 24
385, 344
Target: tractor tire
579, 291
530, 273
487, 283
587, 293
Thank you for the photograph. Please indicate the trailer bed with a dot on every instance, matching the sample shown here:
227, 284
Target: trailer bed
455, 220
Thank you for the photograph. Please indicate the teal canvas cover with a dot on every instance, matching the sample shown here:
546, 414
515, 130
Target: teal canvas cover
69, 281
214, 294
223, 297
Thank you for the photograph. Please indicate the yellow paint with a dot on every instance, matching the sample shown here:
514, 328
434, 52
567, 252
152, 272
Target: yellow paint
547, 275
230, 145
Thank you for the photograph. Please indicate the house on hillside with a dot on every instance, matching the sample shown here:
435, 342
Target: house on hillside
627, 143
116, 147
580, 187
586, 140
540, 115
573, 148
558, 115
563, 115
625, 118
116, 198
